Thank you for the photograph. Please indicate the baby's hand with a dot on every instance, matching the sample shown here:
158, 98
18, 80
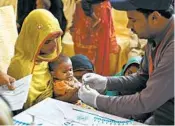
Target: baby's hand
71, 91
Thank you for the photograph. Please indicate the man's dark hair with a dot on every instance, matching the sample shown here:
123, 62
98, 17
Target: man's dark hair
62, 58
165, 13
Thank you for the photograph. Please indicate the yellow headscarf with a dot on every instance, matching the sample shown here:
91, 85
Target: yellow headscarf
38, 26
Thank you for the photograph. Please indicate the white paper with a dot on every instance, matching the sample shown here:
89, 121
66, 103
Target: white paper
57, 113
61, 113
48, 110
17, 97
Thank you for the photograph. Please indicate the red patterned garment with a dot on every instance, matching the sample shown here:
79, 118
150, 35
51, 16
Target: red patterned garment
96, 43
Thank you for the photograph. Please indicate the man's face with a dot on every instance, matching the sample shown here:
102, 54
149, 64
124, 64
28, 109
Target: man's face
138, 24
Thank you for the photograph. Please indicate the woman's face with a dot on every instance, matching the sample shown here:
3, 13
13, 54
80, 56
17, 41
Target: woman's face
131, 70
49, 46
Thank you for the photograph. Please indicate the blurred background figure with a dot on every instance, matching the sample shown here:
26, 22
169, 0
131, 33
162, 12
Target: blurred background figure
54, 6
131, 66
81, 65
96, 43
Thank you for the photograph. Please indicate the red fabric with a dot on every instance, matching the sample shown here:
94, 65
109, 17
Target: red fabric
96, 43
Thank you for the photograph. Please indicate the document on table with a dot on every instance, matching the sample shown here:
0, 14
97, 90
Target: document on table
17, 97
59, 113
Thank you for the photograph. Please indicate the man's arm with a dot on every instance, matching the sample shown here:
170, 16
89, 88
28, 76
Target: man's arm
134, 82
160, 88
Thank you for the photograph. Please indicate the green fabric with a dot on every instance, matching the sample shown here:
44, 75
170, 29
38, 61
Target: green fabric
132, 60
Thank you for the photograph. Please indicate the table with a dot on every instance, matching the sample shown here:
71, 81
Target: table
51, 112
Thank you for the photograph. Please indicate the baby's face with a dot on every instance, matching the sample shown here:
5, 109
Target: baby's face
50, 45
64, 71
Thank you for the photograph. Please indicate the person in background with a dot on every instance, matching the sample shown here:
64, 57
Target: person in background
38, 43
131, 66
65, 84
54, 6
152, 20
81, 65
96, 43
5, 112
7, 80
24, 7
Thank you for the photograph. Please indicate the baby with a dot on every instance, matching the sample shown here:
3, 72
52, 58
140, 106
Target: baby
65, 84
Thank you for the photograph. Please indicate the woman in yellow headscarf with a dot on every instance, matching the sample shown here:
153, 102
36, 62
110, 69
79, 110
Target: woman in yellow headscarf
38, 43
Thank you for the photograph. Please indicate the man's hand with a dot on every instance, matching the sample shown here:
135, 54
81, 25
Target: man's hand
95, 81
88, 95
7, 80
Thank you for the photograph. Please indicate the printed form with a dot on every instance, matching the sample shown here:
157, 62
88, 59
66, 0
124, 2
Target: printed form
17, 97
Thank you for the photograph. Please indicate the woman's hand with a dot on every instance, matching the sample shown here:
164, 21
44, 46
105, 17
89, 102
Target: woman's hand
7, 80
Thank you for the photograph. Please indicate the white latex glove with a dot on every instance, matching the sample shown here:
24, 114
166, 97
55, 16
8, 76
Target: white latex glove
88, 95
95, 81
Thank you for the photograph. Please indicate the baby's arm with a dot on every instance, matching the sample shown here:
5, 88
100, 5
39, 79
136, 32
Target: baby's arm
67, 97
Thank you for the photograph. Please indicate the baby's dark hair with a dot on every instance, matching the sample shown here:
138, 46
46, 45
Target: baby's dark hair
61, 59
